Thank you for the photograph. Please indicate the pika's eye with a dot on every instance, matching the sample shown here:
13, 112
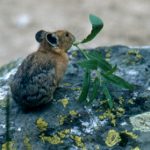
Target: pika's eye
67, 34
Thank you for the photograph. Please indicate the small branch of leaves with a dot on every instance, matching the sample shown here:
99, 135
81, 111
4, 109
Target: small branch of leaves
93, 61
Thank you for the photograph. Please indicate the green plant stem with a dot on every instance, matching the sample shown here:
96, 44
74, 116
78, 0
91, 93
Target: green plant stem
82, 51
99, 75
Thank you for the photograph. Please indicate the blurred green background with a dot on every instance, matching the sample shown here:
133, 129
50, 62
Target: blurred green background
125, 22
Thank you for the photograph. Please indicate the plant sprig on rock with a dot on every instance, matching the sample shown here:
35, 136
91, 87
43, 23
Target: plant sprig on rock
93, 61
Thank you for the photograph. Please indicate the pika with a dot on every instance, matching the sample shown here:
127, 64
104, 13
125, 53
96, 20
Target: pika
41, 72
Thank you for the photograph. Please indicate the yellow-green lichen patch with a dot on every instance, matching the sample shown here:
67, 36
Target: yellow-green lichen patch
74, 53
78, 141
136, 148
62, 134
27, 143
120, 111
41, 124
102, 117
131, 101
112, 138
135, 56
130, 134
108, 54
97, 147
103, 102
108, 115
55, 139
8, 146
76, 88
3, 103
113, 122
62, 119
73, 113
64, 102
121, 100
67, 84
113, 114
136, 53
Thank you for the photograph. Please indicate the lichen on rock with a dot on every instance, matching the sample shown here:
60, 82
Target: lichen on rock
131, 135
73, 112
41, 124
55, 139
27, 143
10, 145
79, 142
112, 138
64, 102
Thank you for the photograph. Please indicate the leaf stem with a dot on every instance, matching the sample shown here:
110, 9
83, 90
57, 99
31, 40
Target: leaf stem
99, 75
82, 51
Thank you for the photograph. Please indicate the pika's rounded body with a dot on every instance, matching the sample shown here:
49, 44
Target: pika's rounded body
41, 72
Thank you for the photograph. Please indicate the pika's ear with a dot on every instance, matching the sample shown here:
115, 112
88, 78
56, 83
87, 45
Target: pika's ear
39, 36
52, 39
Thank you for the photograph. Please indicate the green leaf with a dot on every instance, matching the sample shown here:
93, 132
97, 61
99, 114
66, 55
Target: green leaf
112, 70
118, 81
85, 87
94, 55
102, 63
97, 25
88, 64
108, 96
95, 91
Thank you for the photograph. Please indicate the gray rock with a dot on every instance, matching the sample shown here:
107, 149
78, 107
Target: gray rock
66, 124
141, 122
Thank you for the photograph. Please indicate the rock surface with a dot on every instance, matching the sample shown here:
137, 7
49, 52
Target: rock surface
68, 124
141, 122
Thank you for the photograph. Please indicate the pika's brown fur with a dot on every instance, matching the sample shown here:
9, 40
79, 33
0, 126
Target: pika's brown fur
41, 72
